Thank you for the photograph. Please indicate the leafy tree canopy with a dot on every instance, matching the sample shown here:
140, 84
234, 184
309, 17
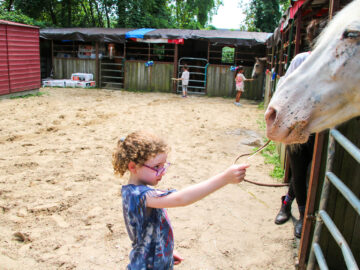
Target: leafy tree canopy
192, 14
262, 16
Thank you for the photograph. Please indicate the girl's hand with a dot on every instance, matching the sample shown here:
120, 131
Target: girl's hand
177, 257
235, 173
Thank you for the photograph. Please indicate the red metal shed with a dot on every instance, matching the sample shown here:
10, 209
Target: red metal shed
19, 57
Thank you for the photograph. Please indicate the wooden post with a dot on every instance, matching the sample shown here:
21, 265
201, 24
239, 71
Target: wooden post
334, 6
298, 31
124, 65
280, 60
208, 52
52, 59
175, 67
310, 200
97, 65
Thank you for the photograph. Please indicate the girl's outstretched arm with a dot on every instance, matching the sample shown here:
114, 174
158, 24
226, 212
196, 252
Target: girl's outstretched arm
234, 174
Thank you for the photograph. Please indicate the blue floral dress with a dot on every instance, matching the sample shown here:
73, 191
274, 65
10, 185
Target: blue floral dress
149, 230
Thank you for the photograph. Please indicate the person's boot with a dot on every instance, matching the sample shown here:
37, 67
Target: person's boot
298, 225
284, 213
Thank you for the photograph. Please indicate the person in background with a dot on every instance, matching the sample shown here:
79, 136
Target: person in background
185, 80
300, 155
239, 82
144, 155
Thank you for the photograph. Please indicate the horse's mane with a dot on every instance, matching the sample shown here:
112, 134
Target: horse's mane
337, 24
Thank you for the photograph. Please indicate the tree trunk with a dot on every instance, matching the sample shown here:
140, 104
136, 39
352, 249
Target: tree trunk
10, 3
101, 24
86, 13
51, 11
107, 14
92, 13
69, 12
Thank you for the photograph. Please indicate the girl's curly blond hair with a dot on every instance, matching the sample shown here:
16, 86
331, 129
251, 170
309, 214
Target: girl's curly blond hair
138, 147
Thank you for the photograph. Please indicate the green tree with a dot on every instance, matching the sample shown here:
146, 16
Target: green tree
193, 14
263, 16
144, 13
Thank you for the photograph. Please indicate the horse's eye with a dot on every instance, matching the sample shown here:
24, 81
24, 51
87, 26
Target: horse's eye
256, 65
351, 34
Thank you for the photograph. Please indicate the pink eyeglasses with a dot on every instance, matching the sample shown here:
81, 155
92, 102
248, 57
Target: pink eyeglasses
157, 169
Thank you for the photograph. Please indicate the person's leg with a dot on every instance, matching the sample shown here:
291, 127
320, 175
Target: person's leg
238, 95
286, 201
184, 90
301, 160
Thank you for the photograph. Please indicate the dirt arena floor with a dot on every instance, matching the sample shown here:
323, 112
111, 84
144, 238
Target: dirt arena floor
60, 204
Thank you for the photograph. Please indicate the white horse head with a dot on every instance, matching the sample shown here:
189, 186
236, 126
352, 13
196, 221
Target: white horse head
325, 89
259, 67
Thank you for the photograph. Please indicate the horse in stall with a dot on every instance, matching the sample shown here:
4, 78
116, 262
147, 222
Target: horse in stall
259, 67
325, 90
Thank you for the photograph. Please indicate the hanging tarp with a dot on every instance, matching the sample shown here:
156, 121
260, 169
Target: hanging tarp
116, 35
159, 40
119, 35
295, 7
229, 37
138, 33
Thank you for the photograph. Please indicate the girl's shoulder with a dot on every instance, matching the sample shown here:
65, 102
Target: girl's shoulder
135, 190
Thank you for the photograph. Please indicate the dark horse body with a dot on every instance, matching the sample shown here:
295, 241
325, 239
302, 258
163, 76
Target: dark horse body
299, 156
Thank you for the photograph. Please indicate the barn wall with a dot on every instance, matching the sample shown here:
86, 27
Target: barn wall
221, 83
64, 67
4, 69
152, 78
20, 58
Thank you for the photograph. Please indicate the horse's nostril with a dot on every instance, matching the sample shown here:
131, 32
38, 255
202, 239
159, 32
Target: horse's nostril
270, 116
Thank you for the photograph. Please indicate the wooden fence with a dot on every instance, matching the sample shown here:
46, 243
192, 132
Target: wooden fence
221, 83
152, 78
64, 67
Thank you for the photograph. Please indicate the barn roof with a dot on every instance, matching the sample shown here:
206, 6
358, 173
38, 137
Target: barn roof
17, 24
241, 38
85, 34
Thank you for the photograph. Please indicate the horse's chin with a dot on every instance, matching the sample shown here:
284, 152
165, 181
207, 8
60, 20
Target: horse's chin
293, 136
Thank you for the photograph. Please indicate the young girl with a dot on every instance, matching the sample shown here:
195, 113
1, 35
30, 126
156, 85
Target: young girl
239, 81
145, 156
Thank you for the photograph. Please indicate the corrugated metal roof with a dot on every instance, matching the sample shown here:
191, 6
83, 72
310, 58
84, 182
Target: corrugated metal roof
86, 34
118, 35
17, 24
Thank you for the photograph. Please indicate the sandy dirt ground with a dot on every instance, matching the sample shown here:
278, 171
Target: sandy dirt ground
60, 204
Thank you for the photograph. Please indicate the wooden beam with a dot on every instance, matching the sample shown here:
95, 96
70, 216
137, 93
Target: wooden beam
334, 6
310, 200
298, 31
97, 65
52, 58
175, 67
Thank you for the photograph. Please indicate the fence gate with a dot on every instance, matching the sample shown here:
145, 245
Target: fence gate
316, 253
198, 71
112, 72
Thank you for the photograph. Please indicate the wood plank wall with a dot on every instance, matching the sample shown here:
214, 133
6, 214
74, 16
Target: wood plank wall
64, 67
221, 83
153, 78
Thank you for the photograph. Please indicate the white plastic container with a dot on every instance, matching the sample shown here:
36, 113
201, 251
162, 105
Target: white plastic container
85, 84
82, 77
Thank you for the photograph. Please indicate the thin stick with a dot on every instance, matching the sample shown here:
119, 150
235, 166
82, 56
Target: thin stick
251, 155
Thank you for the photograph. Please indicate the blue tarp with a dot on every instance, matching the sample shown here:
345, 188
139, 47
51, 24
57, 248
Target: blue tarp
138, 33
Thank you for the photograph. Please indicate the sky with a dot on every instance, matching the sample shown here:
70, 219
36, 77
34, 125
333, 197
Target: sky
229, 15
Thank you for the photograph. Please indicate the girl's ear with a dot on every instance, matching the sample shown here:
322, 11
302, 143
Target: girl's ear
132, 167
